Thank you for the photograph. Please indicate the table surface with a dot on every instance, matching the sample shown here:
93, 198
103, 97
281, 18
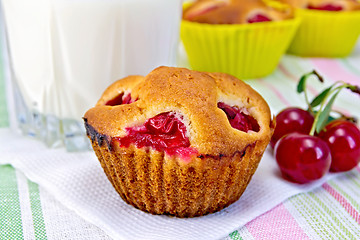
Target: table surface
331, 211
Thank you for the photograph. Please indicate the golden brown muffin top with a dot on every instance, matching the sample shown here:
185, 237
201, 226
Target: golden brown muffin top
235, 11
346, 5
192, 94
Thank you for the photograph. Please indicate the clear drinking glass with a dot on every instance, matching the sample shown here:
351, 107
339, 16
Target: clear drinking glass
64, 53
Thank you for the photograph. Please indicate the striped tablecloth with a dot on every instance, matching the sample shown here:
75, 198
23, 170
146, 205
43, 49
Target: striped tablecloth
331, 211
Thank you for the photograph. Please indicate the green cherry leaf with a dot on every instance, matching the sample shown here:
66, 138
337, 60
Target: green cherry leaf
302, 83
319, 98
324, 115
301, 87
332, 118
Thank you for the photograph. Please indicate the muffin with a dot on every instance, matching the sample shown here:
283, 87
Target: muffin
329, 28
235, 12
179, 142
244, 38
325, 5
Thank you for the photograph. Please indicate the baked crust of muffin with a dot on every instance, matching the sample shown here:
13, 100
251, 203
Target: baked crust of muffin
235, 11
195, 95
225, 159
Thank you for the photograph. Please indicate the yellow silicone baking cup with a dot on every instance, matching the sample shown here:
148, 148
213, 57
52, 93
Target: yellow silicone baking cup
325, 33
243, 50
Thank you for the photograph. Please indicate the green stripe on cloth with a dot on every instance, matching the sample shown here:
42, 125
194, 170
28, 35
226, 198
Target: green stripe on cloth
4, 118
235, 235
325, 217
347, 196
353, 184
302, 206
356, 182
323, 220
333, 216
347, 64
10, 211
342, 209
38, 218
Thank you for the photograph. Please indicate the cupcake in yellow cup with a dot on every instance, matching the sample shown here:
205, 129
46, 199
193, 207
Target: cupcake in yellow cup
329, 28
244, 38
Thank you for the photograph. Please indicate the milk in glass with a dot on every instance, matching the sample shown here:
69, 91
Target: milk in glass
64, 53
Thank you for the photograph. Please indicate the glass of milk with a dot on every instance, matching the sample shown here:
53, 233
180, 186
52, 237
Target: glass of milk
64, 53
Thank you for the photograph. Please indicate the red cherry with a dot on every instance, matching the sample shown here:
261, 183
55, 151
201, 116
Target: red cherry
258, 18
302, 158
164, 132
120, 99
238, 119
343, 138
327, 7
291, 120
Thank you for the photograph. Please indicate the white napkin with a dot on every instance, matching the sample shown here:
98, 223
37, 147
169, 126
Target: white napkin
77, 180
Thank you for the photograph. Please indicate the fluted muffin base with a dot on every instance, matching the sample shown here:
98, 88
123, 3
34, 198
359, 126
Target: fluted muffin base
156, 183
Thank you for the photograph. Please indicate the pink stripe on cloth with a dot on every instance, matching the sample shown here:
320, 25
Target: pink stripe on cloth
315, 92
348, 207
276, 92
310, 88
332, 68
278, 223
288, 74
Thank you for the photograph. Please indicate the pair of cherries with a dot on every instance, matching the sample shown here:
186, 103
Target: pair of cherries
308, 143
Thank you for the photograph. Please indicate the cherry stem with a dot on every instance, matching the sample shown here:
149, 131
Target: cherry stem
302, 87
308, 103
333, 92
317, 115
321, 117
